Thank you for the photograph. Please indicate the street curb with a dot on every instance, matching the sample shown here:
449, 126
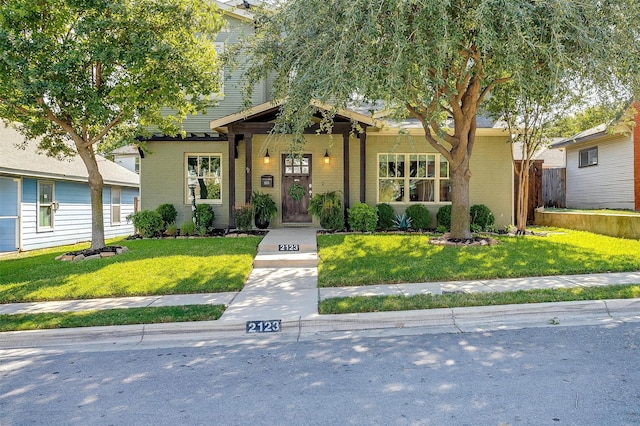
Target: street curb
319, 327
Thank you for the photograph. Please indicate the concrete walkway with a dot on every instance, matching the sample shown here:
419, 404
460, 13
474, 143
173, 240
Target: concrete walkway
283, 285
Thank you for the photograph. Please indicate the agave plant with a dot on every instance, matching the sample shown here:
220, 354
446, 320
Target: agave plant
402, 222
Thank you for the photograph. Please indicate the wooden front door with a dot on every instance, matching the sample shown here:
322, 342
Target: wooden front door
296, 174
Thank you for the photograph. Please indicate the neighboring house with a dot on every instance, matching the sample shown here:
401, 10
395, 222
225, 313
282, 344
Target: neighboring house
603, 166
232, 153
127, 157
45, 202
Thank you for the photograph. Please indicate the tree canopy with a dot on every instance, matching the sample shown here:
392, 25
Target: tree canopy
73, 72
436, 60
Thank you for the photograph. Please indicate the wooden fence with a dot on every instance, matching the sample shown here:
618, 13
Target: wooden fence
554, 186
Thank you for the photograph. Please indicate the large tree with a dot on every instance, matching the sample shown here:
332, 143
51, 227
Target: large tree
435, 60
74, 72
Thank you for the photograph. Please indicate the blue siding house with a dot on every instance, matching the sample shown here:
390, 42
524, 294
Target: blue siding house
45, 202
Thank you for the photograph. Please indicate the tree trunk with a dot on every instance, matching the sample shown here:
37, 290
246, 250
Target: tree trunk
95, 187
460, 219
523, 197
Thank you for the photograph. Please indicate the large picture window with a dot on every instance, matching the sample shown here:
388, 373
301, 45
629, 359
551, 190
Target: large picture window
588, 157
208, 171
406, 178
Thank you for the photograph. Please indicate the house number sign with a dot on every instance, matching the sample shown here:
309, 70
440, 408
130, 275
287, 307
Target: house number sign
271, 326
288, 247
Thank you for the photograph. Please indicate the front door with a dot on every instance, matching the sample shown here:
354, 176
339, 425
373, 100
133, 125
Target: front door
296, 188
8, 214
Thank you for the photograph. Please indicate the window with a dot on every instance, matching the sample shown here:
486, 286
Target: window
588, 157
405, 178
136, 164
115, 206
208, 171
46, 206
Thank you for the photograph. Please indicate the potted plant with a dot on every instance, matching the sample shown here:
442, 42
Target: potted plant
264, 209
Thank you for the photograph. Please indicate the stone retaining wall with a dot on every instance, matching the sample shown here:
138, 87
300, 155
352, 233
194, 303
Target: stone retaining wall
615, 225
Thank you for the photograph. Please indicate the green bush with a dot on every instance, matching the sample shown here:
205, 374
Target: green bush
243, 216
168, 213
188, 228
419, 215
444, 216
205, 216
481, 216
172, 229
148, 222
385, 216
328, 208
362, 218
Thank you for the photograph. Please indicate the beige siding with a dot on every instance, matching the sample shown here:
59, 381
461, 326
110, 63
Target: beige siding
491, 168
163, 177
609, 184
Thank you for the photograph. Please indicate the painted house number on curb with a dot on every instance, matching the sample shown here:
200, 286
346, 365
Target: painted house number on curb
288, 247
272, 326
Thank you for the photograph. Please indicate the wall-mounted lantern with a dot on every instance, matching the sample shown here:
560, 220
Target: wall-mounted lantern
327, 159
267, 158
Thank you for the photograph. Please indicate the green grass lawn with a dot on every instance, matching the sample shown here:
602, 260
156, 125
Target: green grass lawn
344, 305
353, 260
151, 267
163, 314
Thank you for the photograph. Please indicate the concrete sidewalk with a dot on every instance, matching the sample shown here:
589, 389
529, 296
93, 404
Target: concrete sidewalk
283, 285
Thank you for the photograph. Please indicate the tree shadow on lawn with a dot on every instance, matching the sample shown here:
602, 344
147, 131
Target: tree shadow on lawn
149, 268
364, 260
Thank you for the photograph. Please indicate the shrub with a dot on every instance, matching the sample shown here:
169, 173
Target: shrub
481, 216
188, 228
362, 218
147, 222
444, 216
172, 229
402, 222
385, 216
243, 216
205, 216
168, 213
419, 215
328, 208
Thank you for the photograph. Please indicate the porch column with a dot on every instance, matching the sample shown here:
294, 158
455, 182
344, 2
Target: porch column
363, 165
248, 143
345, 169
231, 138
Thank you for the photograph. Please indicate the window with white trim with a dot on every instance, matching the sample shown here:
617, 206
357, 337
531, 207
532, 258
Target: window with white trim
407, 178
46, 205
588, 157
208, 171
116, 195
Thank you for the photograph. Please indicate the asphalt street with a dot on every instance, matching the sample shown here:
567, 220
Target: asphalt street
580, 375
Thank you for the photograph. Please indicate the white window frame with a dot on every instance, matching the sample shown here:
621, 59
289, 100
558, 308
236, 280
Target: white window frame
116, 218
404, 182
201, 175
50, 205
590, 157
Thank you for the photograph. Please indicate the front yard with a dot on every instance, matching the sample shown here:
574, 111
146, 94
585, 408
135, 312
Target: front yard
151, 267
356, 260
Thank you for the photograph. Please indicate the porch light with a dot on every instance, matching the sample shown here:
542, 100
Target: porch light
192, 181
327, 159
267, 158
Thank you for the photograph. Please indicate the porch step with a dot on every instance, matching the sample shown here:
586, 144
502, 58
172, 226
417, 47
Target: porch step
277, 259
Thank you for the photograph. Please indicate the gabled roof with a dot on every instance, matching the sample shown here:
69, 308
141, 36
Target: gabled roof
235, 9
616, 126
267, 112
27, 162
